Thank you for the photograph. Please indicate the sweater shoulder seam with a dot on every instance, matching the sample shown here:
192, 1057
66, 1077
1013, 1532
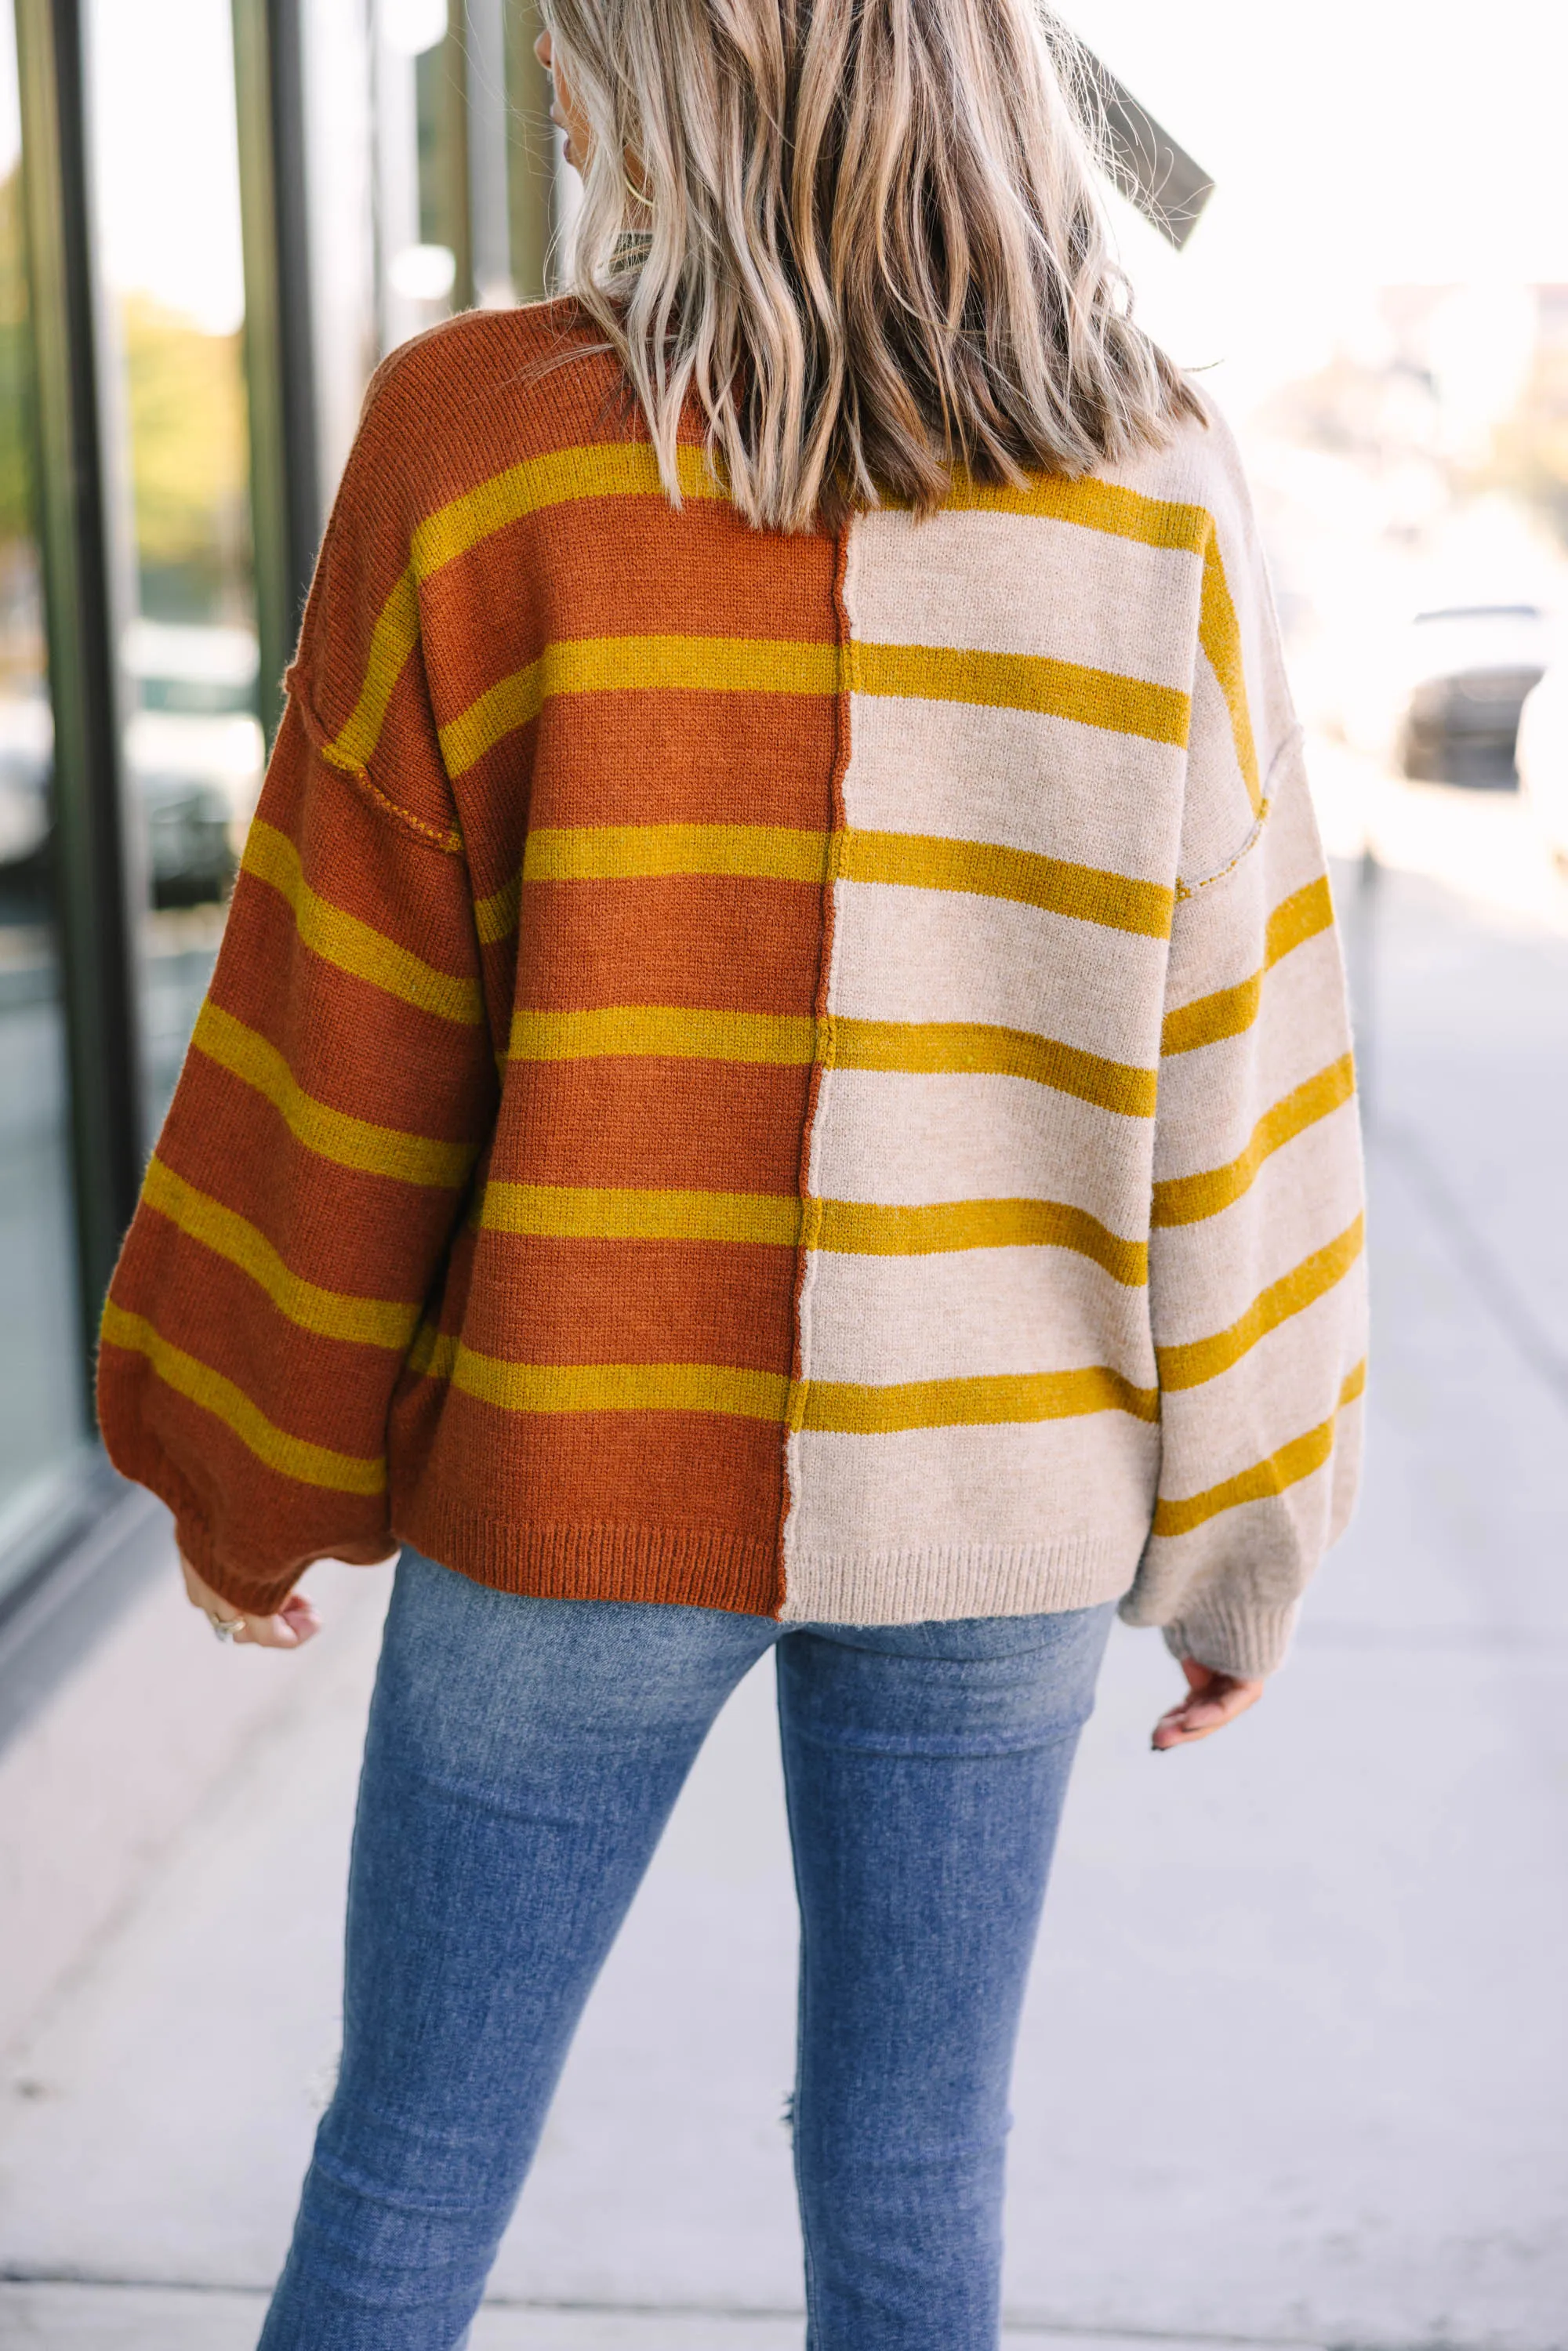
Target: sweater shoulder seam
446, 839
1190, 888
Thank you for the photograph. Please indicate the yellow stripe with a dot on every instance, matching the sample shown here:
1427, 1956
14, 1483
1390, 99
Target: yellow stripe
600, 1388
833, 1405
948, 1047
333, 1133
847, 1408
392, 639
291, 1456
334, 1313
496, 917
909, 1047
847, 1227
619, 852
615, 471
570, 1212
1231, 1011
354, 947
1186, 1199
772, 852
1297, 918
859, 1228
1220, 637
1264, 1480
498, 711
668, 1031
642, 664
1094, 505
1187, 1366
924, 862
611, 470
1058, 689
627, 853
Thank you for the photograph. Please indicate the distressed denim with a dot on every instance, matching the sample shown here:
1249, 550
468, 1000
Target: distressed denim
522, 1759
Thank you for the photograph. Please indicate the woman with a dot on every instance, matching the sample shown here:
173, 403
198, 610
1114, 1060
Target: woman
778, 1079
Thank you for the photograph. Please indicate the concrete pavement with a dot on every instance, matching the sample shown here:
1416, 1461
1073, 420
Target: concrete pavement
1295, 2065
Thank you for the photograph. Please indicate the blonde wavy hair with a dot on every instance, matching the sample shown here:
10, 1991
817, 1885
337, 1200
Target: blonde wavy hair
865, 237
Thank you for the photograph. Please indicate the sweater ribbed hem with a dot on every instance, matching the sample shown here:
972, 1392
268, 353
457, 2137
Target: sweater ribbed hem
699, 1567
958, 1579
691, 1567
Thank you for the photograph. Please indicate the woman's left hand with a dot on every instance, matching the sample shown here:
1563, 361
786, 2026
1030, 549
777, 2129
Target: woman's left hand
1212, 1700
295, 1623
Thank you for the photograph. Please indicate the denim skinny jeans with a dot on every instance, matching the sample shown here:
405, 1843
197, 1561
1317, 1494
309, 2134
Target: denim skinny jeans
522, 1760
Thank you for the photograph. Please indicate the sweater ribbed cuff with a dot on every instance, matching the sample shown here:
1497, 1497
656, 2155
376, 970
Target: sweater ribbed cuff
253, 1596
1246, 1641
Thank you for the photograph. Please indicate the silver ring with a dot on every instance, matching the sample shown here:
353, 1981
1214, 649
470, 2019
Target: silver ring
226, 1627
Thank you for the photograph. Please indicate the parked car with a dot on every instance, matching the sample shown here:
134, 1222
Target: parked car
194, 752
193, 755
1543, 758
1469, 669
26, 757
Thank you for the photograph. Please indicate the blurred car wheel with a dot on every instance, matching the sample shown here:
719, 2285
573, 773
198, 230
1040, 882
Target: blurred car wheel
1544, 759
1472, 667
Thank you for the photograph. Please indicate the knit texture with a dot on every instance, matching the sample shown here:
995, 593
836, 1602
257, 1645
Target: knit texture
803, 1074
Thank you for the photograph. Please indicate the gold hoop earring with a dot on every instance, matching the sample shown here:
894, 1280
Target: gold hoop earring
635, 193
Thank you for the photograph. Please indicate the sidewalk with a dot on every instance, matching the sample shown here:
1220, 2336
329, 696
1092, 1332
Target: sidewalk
1295, 2064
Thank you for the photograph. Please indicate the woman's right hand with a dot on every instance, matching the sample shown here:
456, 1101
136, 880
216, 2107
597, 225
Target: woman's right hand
1212, 1700
295, 1623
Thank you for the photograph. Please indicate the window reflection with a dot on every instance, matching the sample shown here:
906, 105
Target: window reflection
166, 181
40, 1413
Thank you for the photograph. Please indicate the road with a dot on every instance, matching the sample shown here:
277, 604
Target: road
1295, 2065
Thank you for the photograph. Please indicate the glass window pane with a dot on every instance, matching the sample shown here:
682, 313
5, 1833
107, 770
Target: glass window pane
166, 187
419, 126
40, 1403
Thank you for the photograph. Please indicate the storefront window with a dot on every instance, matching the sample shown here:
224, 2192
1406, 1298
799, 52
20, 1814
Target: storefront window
40, 1409
166, 184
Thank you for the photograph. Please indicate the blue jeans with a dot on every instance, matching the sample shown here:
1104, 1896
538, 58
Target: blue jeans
522, 1760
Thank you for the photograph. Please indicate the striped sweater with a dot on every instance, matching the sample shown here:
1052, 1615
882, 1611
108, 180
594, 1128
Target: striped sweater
795, 1073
